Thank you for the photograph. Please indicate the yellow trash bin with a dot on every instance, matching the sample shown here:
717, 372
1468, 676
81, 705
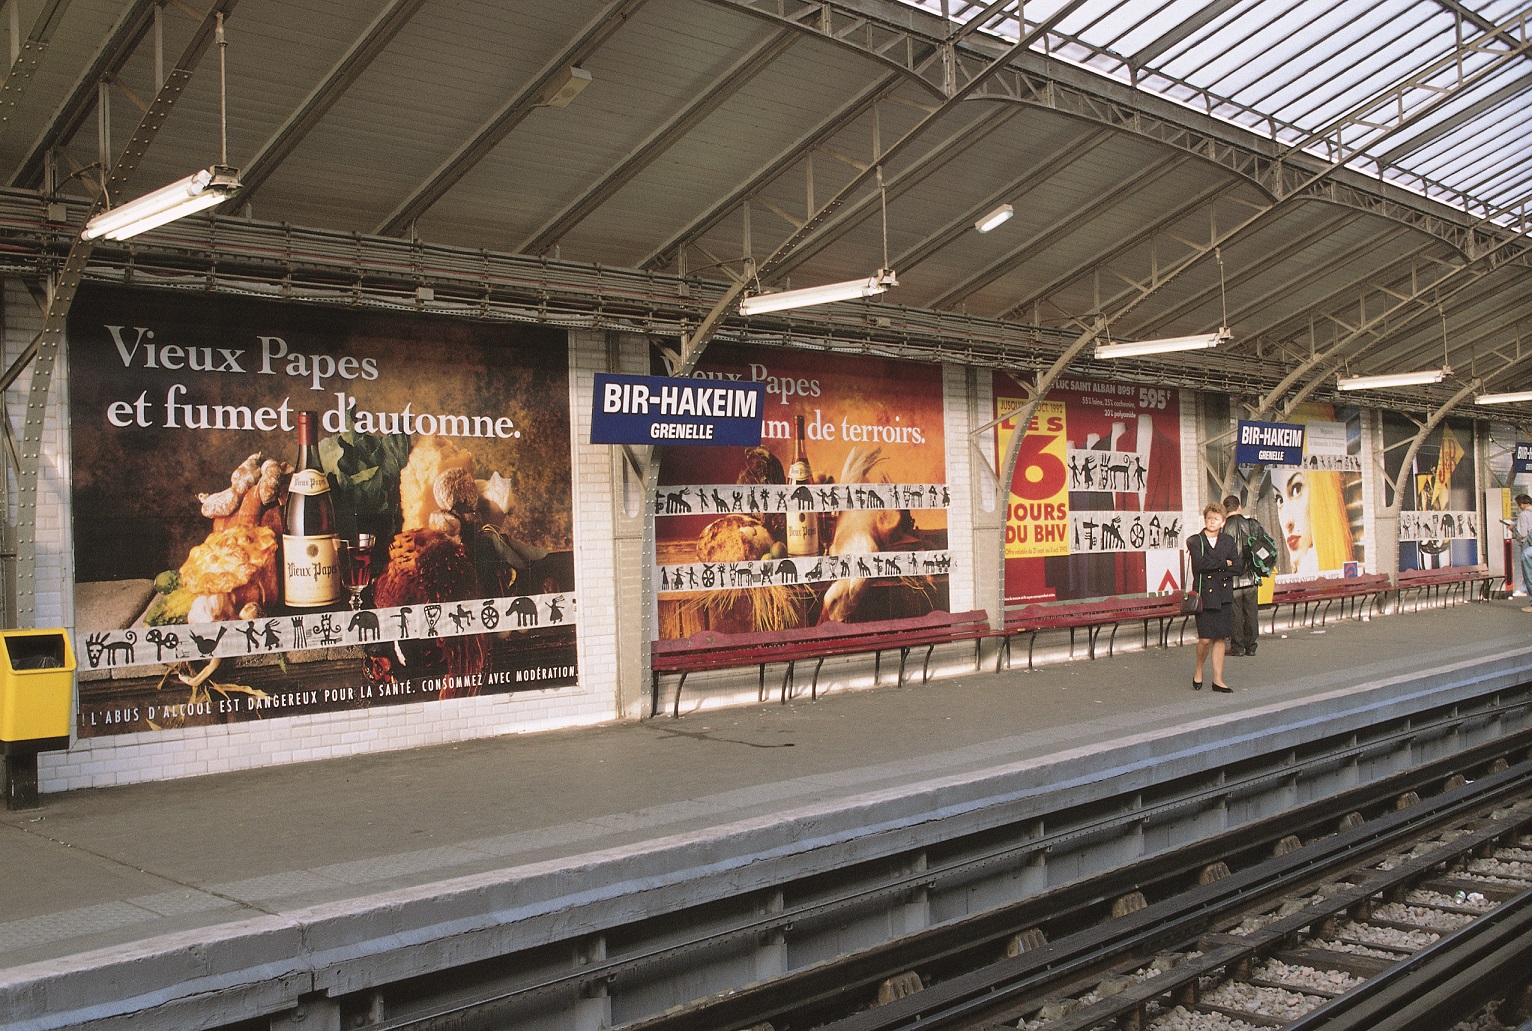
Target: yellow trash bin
36, 691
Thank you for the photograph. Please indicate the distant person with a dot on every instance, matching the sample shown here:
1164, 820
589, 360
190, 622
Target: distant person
1315, 527
1215, 564
1247, 585
1522, 531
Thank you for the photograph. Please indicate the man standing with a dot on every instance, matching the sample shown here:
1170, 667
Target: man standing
1522, 531
1246, 585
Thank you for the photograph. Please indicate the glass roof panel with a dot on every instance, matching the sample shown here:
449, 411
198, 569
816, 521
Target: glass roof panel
1430, 91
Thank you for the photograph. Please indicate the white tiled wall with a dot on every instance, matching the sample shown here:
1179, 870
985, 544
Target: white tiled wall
609, 580
193, 751
960, 472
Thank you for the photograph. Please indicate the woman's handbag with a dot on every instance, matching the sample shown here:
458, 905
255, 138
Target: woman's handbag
1191, 603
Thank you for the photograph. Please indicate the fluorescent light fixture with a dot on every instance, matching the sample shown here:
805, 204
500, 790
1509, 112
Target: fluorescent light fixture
783, 299
202, 189
999, 216
566, 87
1392, 379
1503, 399
1136, 348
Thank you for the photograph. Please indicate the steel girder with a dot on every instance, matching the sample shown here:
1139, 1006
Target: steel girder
1028, 179
708, 100
908, 176
1047, 236
900, 45
76, 107
61, 297
463, 160
29, 54
1269, 260
389, 22
672, 251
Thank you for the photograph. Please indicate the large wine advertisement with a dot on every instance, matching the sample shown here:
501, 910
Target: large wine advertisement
283, 509
1094, 507
839, 515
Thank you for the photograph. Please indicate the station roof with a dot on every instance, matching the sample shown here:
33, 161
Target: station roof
1342, 183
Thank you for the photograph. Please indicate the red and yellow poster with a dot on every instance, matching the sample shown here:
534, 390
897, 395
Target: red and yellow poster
1037, 520
427, 554
846, 523
1095, 498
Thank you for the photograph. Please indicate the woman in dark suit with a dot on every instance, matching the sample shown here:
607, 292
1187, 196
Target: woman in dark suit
1215, 563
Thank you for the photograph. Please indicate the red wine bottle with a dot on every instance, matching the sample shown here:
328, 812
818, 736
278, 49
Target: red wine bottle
310, 560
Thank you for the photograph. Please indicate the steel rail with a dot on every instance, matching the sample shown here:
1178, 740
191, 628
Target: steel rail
1427, 991
971, 999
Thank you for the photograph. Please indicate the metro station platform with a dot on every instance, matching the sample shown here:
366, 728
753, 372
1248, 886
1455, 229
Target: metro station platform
267, 884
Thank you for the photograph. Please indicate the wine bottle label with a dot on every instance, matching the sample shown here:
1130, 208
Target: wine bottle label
311, 570
309, 482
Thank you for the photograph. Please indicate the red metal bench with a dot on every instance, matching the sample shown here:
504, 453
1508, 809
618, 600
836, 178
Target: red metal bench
1445, 584
1361, 594
1091, 615
712, 650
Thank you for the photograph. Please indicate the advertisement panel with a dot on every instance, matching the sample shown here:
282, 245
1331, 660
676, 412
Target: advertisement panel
839, 514
1094, 505
1439, 515
237, 558
1314, 508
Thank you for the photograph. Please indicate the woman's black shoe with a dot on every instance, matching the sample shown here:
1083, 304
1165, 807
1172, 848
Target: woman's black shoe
1197, 685
1223, 690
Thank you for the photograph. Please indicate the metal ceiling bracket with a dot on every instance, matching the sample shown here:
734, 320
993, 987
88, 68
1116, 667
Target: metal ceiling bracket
51, 338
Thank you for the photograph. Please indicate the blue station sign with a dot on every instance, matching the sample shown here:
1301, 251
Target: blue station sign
1269, 443
661, 410
1522, 462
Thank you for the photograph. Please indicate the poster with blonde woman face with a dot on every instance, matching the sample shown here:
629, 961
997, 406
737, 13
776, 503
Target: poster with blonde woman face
1311, 520
1314, 510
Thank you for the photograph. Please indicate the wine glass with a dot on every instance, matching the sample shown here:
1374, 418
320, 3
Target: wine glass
356, 567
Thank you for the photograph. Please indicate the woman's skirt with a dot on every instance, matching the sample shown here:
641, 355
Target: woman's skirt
1215, 623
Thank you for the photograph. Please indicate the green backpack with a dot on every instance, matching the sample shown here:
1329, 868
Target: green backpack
1260, 550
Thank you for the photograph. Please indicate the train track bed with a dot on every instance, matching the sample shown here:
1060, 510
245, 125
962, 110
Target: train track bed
1347, 932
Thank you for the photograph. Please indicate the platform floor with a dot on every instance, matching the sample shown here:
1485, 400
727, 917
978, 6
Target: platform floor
107, 868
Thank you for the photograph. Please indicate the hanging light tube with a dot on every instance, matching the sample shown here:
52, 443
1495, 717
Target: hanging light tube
998, 217
202, 189
1137, 348
783, 299
1391, 379
1502, 399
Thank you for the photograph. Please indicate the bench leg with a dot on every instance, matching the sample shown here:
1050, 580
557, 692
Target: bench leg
676, 712
1111, 642
877, 667
1004, 647
787, 681
760, 686
1072, 643
654, 694
814, 684
925, 670
1031, 643
904, 653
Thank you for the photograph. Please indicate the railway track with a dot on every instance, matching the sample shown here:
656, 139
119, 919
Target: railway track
1405, 922
1172, 935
